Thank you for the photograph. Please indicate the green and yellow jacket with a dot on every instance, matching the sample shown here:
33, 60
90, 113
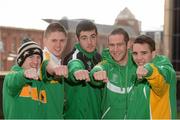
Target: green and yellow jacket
154, 97
22, 98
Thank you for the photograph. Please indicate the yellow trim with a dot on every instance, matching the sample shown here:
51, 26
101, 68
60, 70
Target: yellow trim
159, 95
53, 81
46, 55
157, 82
42, 96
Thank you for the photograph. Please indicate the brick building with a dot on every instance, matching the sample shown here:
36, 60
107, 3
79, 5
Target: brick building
10, 37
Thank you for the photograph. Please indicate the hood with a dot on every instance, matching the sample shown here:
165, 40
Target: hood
16, 68
161, 60
87, 54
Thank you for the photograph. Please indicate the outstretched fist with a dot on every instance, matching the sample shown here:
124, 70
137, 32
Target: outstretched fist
31, 73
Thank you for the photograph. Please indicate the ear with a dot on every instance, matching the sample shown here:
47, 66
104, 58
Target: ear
77, 40
153, 54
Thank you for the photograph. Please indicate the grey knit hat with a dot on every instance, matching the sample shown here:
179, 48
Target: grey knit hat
27, 49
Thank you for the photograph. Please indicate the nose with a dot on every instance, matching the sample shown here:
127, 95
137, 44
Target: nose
115, 48
89, 40
59, 44
36, 61
139, 57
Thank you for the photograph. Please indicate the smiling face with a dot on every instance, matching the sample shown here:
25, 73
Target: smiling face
56, 43
32, 61
142, 53
118, 48
88, 40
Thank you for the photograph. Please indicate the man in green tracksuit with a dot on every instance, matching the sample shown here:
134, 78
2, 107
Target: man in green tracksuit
118, 70
55, 40
23, 97
154, 94
82, 98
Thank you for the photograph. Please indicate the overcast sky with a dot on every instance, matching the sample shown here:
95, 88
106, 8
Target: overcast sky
29, 13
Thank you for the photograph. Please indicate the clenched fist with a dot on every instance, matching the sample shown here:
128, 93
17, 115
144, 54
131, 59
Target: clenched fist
141, 72
61, 70
82, 75
31, 73
101, 76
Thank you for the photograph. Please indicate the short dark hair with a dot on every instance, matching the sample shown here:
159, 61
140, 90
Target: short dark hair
53, 27
146, 39
85, 25
120, 31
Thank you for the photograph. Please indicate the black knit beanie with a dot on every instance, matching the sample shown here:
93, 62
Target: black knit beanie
27, 49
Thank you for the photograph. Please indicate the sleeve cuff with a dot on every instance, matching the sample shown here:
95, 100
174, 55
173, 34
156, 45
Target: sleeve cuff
93, 81
73, 66
149, 68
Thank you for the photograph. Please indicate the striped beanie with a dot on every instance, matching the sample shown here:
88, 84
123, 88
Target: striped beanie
28, 48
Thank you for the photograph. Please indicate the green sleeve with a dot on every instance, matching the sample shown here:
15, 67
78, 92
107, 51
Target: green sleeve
45, 76
15, 81
149, 69
156, 80
96, 69
163, 65
73, 66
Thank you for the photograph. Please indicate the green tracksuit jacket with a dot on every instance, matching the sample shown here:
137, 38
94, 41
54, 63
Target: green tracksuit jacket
22, 98
83, 99
54, 91
155, 96
117, 90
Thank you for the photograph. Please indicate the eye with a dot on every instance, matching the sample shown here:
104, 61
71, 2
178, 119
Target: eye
111, 45
83, 38
62, 40
53, 40
144, 52
93, 36
31, 56
38, 57
134, 53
